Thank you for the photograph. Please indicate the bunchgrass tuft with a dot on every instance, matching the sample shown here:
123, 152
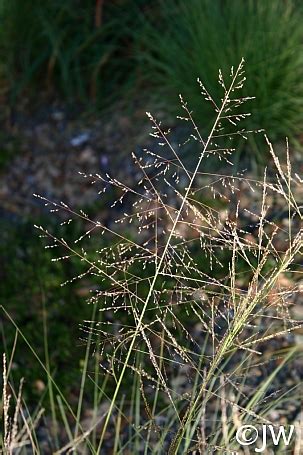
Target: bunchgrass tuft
188, 299
67, 49
192, 39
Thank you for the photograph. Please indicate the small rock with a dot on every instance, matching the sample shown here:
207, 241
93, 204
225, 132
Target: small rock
79, 140
58, 116
39, 386
88, 156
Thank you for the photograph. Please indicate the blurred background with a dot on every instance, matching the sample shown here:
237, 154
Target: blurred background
76, 78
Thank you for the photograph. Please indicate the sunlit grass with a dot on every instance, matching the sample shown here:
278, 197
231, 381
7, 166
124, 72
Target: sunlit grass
188, 265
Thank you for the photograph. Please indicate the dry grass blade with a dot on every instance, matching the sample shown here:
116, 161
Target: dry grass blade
18, 430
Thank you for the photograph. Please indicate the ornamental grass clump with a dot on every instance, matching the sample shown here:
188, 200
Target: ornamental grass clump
190, 292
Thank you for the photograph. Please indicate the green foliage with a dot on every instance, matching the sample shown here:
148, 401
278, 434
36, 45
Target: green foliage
193, 39
30, 291
59, 47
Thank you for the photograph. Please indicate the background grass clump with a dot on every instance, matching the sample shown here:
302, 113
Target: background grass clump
192, 39
71, 48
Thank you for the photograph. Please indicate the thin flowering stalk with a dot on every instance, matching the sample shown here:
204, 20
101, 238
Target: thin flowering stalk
159, 266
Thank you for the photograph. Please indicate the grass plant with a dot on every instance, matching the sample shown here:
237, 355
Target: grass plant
184, 290
193, 38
